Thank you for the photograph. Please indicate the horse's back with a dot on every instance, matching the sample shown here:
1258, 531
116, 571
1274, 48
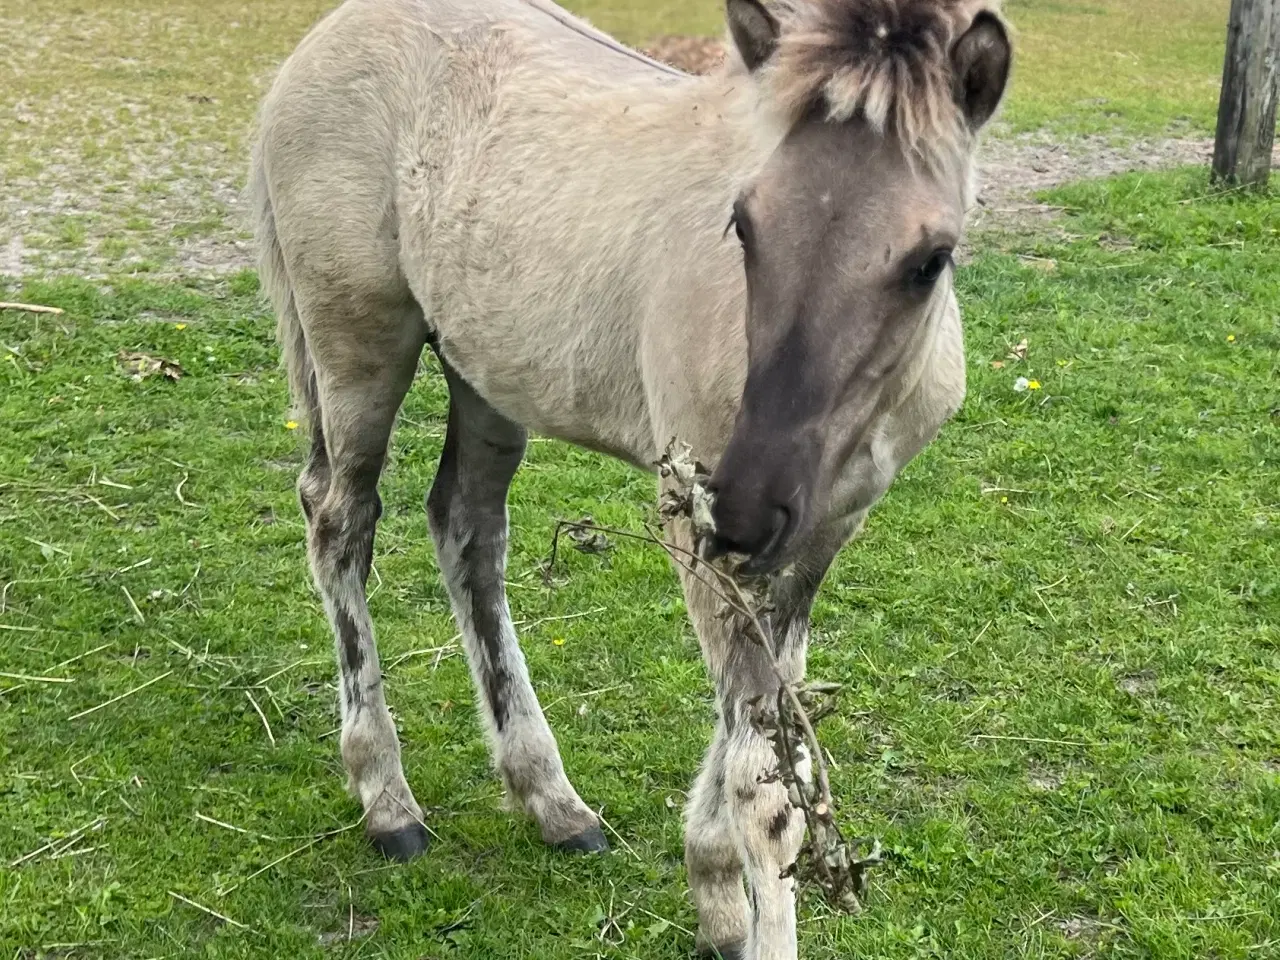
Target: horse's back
363, 85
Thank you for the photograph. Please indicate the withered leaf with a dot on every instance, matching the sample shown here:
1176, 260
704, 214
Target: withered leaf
142, 366
586, 539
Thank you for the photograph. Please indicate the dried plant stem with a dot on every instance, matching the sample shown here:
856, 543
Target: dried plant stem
127, 693
223, 891
62, 843
133, 605
839, 873
261, 716
213, 913
29, 307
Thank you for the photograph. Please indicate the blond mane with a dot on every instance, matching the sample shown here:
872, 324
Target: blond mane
886, 61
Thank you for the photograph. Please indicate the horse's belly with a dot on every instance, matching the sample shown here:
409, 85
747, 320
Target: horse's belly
540, 378
539, 319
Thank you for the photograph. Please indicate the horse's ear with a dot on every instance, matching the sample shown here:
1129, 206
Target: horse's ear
754, 30
980, 65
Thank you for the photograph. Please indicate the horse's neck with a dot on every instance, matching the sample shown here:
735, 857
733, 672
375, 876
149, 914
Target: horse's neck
670, 160
696, 144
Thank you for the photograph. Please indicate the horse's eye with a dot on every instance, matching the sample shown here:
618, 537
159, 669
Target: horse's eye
928, 274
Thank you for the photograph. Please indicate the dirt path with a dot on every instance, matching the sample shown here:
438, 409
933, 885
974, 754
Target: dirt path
1013, 168
169, 205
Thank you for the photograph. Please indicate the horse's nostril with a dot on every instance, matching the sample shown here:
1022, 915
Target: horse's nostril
781, 524
768, 548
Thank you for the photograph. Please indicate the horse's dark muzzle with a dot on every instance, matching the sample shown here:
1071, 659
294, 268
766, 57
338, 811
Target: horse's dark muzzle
761, 503
762, 556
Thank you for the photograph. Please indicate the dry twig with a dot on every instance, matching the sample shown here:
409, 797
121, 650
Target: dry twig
127, 693
177, 492
261, 716
62, 843
133, 605
30, 678
213, 913
29, 307
787, 721
223, 891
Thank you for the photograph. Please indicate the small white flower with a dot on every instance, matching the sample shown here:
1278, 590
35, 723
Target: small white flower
1021, 384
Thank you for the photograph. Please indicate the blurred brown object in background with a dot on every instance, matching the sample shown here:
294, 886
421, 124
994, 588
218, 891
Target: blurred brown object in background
691, 54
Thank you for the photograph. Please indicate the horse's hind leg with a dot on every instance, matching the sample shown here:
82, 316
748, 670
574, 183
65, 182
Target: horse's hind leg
467, 511
364, 363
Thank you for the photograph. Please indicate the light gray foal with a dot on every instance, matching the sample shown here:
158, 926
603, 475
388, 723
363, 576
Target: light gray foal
548, 211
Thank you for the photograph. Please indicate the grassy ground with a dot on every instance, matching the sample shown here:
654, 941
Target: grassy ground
1059, 633
1060, 636
126, 124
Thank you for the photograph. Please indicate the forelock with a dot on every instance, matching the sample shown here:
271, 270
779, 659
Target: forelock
886, 61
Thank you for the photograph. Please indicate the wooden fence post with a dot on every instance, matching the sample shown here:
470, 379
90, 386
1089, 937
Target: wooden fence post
1250, 86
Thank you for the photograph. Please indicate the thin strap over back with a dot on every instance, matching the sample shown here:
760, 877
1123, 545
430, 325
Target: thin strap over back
591, 33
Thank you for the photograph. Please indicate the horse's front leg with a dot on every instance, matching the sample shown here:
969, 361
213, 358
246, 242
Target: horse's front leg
713, 860
767, 829
739, 819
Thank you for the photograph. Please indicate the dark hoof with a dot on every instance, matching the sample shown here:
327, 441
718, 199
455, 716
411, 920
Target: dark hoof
735, 951
403, 844
589, 841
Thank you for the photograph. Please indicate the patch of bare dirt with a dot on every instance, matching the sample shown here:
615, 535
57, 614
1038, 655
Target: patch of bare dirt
147, 179
1013, 169
354, 927
1085, 930
690, 54
1044, 780
1140, 684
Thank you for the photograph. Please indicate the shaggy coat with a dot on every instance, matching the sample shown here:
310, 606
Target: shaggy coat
547, 210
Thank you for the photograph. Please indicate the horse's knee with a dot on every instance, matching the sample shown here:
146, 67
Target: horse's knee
714, 865
710, 854
768, 827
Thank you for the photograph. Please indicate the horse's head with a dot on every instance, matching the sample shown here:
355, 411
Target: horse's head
847, 234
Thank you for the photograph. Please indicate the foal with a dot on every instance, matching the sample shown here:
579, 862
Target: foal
606, 251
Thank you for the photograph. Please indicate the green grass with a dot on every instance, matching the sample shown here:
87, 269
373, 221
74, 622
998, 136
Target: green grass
1059, 635
1116, 67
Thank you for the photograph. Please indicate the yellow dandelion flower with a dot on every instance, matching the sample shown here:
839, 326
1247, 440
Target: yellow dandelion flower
558, 641
1231, 338
1004, 499
291, 425
1033, 384
179, 326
